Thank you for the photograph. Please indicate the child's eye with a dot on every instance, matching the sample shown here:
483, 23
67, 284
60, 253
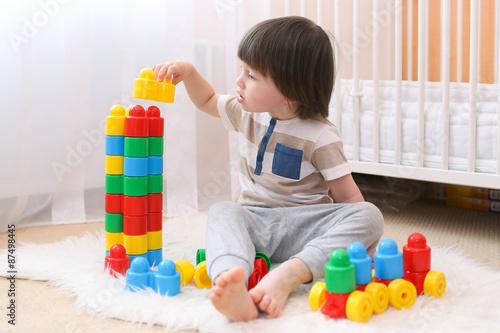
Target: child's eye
251, 77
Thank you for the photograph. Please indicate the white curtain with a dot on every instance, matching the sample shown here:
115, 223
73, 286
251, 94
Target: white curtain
65, 63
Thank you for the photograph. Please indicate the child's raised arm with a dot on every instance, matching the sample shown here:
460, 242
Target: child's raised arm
200, 92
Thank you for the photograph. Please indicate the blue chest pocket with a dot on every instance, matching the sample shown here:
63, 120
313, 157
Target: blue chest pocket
287, 162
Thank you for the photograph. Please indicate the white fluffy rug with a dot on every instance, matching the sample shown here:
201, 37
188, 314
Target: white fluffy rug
470, 304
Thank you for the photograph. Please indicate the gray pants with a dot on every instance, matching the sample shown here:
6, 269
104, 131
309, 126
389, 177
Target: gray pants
308, 232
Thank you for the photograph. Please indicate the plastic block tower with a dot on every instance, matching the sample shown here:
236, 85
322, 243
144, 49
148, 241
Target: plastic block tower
155, 185
134, 172
134, 181
115, 131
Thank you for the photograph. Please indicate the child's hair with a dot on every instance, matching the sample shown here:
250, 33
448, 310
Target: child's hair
297, 55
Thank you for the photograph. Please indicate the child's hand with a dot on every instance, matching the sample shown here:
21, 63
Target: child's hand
178, 70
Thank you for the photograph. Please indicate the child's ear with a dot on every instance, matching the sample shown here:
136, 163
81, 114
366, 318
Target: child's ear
288, 101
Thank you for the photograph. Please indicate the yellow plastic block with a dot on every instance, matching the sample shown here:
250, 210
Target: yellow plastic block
186, 270
165, 92
115, 122
137, 244
380, 295
146, 87
155, 240
114, 165
359, 306
317, 296
201, 277
113, 238
435, 284
402, 294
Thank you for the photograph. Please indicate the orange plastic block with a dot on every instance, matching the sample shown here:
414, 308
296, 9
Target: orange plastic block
146, 87
115, 122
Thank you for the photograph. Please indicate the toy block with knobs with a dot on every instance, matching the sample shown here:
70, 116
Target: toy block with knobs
397, 279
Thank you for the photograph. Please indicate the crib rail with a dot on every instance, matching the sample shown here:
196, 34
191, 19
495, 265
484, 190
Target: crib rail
450, 22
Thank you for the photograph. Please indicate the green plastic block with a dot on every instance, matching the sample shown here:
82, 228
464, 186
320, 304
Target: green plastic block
261, 255
113, 222
136, 147
155, 183
200, 256
340, 277
155, 145
135, 186
114, 184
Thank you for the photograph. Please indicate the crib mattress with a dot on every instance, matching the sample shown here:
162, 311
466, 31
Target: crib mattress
486, 130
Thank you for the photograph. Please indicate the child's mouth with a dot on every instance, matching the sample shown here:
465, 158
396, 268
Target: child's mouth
240, 99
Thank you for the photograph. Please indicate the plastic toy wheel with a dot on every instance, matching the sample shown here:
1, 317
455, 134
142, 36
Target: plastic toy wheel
359, 306
435, 284
201, 277
402, 294
380, 295
186, 269
317, 296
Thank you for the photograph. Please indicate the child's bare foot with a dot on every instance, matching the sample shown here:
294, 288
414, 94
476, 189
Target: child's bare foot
231, 298
271, 293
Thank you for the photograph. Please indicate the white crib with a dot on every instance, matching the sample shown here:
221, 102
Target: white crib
446, 132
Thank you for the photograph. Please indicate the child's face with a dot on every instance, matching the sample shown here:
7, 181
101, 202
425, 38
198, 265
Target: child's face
259, 94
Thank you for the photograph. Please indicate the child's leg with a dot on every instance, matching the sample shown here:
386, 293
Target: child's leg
313, 233
230, 257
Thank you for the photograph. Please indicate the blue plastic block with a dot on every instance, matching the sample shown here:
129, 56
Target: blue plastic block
155, 165
132, 257
135, 166
138, 276
167, 279
154, 257
388, 261
114, 145
361, 261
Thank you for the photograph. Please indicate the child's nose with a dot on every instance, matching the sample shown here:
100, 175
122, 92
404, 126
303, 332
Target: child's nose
239, 81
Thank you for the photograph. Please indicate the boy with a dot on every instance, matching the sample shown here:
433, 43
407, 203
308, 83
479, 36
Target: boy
291, 156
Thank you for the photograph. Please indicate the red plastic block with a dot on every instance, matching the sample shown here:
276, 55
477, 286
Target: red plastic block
386, 282
113, 203
335, 305
416, 254
156, 122
361, 287
117, 261
417, 279
135, 225
136, 124
155, 221
155, 202
259, 271
135, 205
